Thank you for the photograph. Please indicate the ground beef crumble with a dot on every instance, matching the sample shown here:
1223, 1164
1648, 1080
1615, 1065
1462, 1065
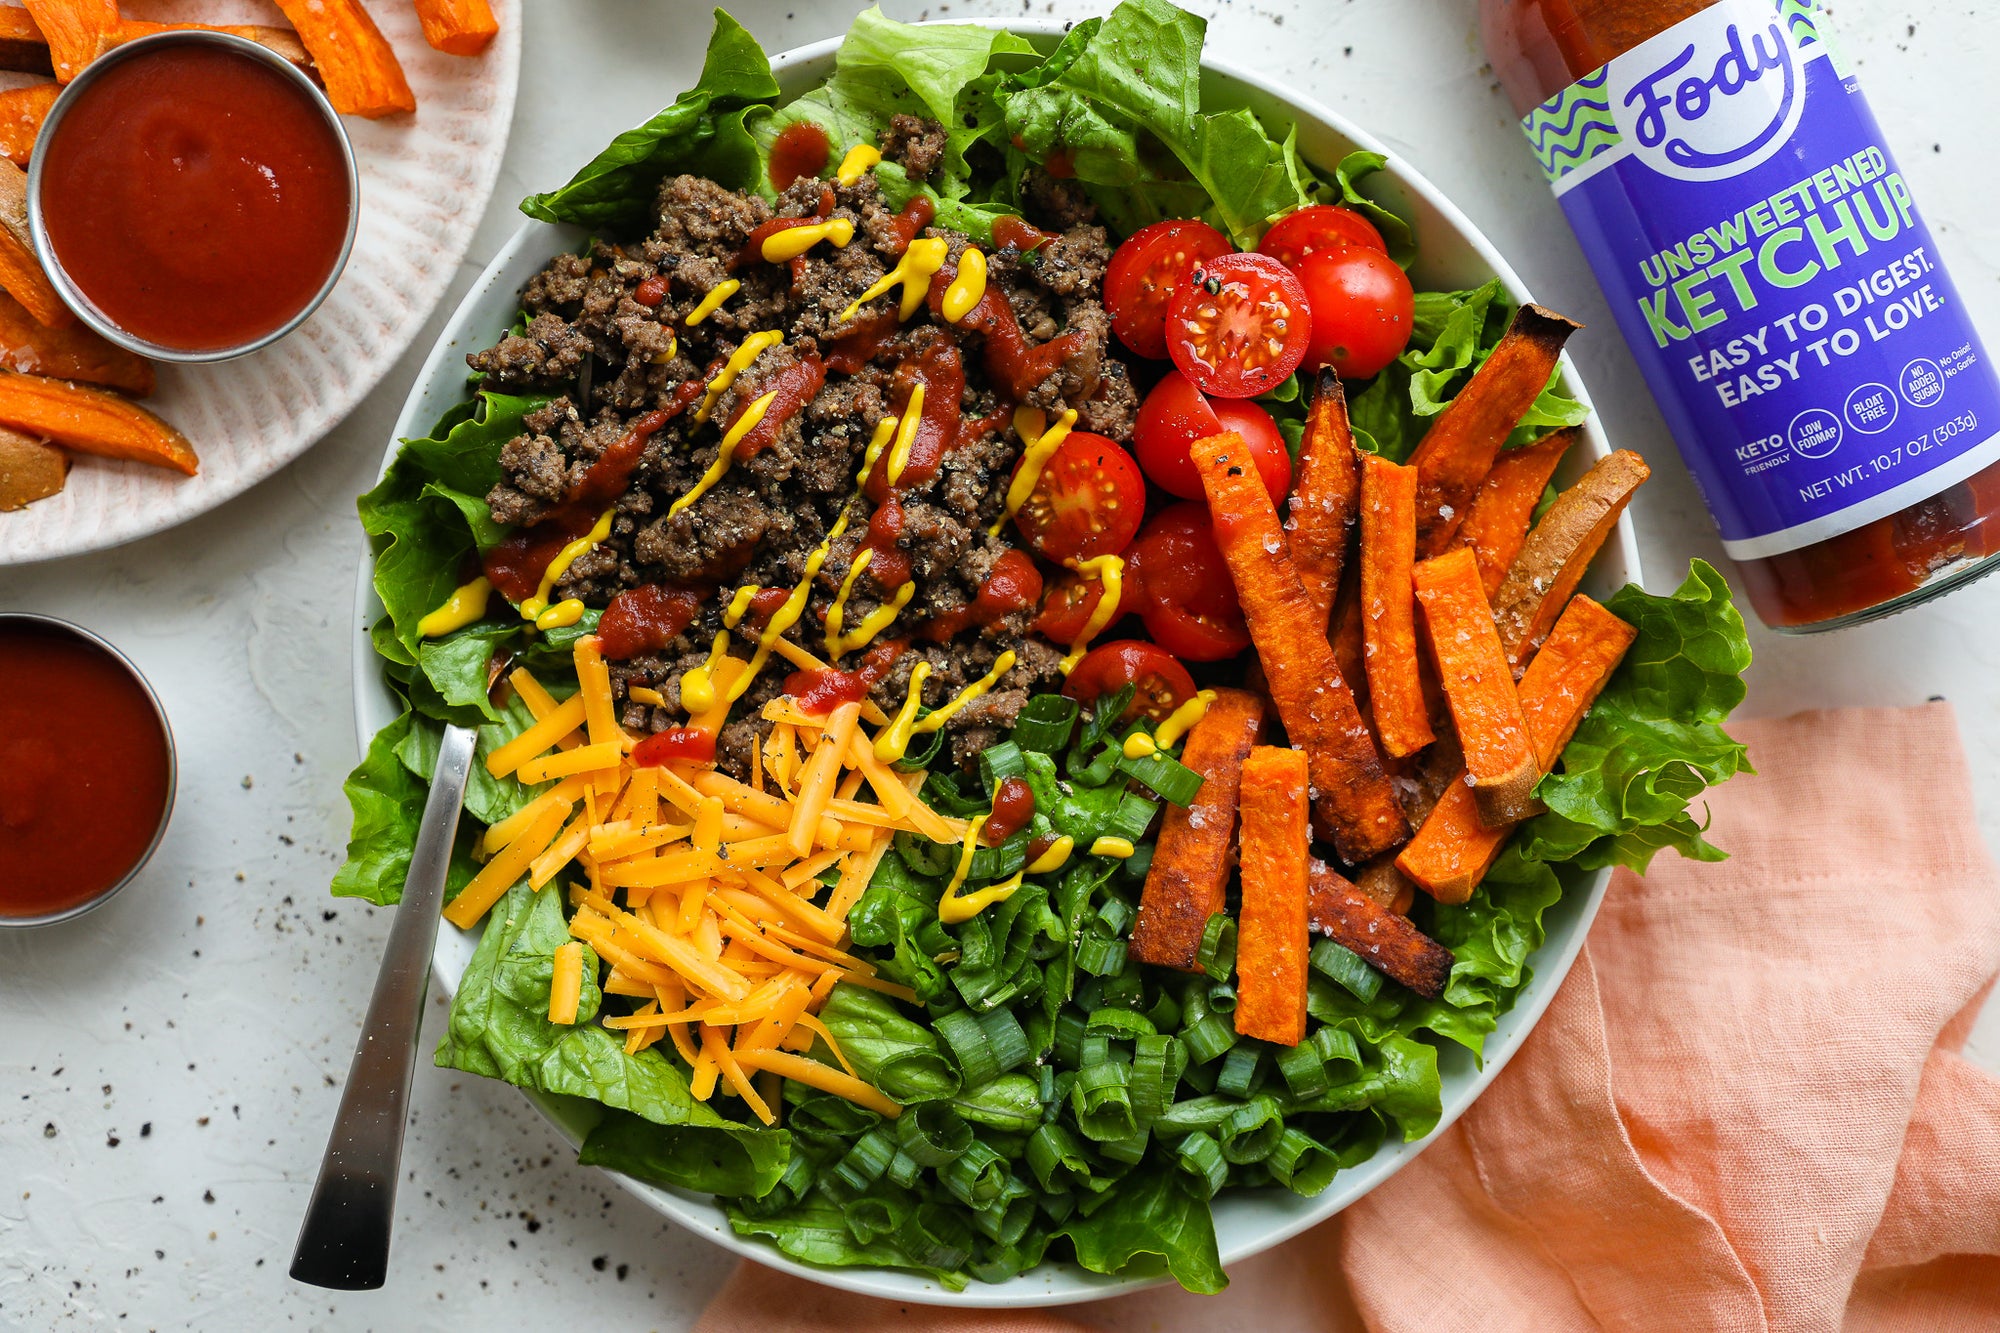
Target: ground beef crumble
604, 356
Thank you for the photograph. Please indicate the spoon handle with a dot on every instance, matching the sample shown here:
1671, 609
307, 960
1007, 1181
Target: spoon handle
344, 1243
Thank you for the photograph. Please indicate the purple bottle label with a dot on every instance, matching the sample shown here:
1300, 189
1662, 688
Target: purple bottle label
1773, 276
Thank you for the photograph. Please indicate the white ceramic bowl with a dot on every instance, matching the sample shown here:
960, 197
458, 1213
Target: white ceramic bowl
1452, 254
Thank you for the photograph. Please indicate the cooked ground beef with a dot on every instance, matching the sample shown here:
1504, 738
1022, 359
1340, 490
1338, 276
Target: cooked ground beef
606, 337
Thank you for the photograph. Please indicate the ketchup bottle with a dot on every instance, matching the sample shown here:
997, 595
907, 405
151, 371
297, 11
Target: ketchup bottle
1778, 286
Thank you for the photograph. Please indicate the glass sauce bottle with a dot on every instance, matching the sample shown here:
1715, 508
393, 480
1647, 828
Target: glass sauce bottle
1778, 287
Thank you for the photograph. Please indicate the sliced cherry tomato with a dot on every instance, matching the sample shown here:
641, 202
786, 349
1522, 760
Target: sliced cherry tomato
1318, 227
1088, 501
1163, 684
1361, 309
1066, 611
1239, 325
1185, 594
1176, 414
1146, 271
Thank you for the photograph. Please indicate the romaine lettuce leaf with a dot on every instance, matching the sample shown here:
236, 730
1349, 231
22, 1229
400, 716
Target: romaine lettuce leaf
388, 801
1153, 1221
897, 1055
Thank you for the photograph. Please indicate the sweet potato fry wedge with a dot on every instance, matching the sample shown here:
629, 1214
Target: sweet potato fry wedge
1324, 497
1458, 450
1505, 505
74, 29
1189, 878
1454, 849
1354, 803
1385, 885
1553, 559
30, 470
1472, 667
1388, 606
23, 49
1384, 939
1271, 938
457, 27
22, 111
360, 70
73, 353
91, 421
21, 273
282, 42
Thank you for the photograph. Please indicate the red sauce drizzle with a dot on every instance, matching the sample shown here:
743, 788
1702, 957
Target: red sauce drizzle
1013, 807
941, 371
650, 291
646, 620
1014, 584
1059, 165
765, 602
1010, 361
818, 693
663, 747
890, 565
799, 151
1012, 233
795, 386
914, 217
978, 428
863, 341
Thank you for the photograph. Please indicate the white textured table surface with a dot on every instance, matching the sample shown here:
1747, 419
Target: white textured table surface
168, 1068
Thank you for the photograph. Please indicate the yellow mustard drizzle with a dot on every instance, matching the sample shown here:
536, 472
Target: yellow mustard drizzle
1116, 847
860, 160
698, 685
949, 901
562, 615
925, 256
711, 303
1138, 745
739, 361
533, 608
1110, 571
1001, 666
1182, 719
953, 909
465, 606
966, 288
885, 430
1055, 858
795, 241
1040, 444
877, 620
837, 613
906, 434
725, 453
669, 352
787, 615
893, 741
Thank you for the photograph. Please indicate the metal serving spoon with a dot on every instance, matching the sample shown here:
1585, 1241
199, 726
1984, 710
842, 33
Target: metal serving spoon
344, 1243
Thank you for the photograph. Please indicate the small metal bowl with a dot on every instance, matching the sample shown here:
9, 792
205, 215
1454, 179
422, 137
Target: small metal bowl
73, 296
10, 619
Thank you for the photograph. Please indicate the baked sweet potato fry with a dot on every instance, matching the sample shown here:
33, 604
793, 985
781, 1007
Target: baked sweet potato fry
1386, 886
23, 49
1553, 559
1324, 495
91, 421
1505, 506
1388, 606
1453, 850
1472, 667
22, 111
1354, 806
74, 30
457, 27
1384, 939
1271, 939
73, 353
1188, 881
1458, 450
30, 470
360, 69
21, 273
282, 42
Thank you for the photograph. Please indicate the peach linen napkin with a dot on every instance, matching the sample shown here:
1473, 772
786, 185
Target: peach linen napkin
1745, 1108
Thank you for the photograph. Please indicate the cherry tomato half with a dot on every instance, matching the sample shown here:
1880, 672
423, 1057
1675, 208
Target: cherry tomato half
1163, 684
1175, 415
1239, 325
1088, 501
1146, 271
1318, 227
1361, 310
1185, 594
1066, 611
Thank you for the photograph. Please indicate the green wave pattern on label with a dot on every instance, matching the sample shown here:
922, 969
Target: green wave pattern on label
1572, 127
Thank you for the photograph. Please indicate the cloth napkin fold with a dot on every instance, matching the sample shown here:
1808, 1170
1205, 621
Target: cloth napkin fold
1744, 1110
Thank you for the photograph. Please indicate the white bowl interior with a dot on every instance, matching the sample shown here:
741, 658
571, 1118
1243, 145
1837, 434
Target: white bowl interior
1452, 254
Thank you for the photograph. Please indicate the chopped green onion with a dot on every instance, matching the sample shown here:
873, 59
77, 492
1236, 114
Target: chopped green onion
1157, 1064
1070, 1027
1333, 1044
976, 1175
1116, 914
1200, 1077
1045, 722
1304, 1070
1302, 1163
1102, 1100
1132, 818
1167, 777
1119, 1023
1048, 1089
1203, 1112
961, 1032
926, 859
999, 762
1002, 861
1005, 1220
1252, 1130
1105, 714
1135, 866
931, 1133
904, 1170
1099, 956
924, 752
1128, 1150
932, 1236
1098, 771
1166, 1012
1208, 1038
793, 1182
1126, 988
1096, 1049
1216, 955
1009, 1043
1239, 1070
1057, 1207
865, 1162
1222, 997
1056, 1158
1201, 1157
1338, 963
868, 1218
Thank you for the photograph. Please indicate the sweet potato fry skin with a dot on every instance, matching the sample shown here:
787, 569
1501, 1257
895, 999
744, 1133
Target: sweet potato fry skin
30, 470
458, 27
1189, 877
1388, 607
22, 111
21, 273
1384, 939
1553, 559
23, 49
1458, 450
282, 42
1271, 925
1453, 849
1354, 804
1505, 506
1324, 495
91, 421
74, 30
72, 353
360, 69
1472, 667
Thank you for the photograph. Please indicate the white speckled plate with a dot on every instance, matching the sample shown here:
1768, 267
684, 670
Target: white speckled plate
1452, 254
425, 180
